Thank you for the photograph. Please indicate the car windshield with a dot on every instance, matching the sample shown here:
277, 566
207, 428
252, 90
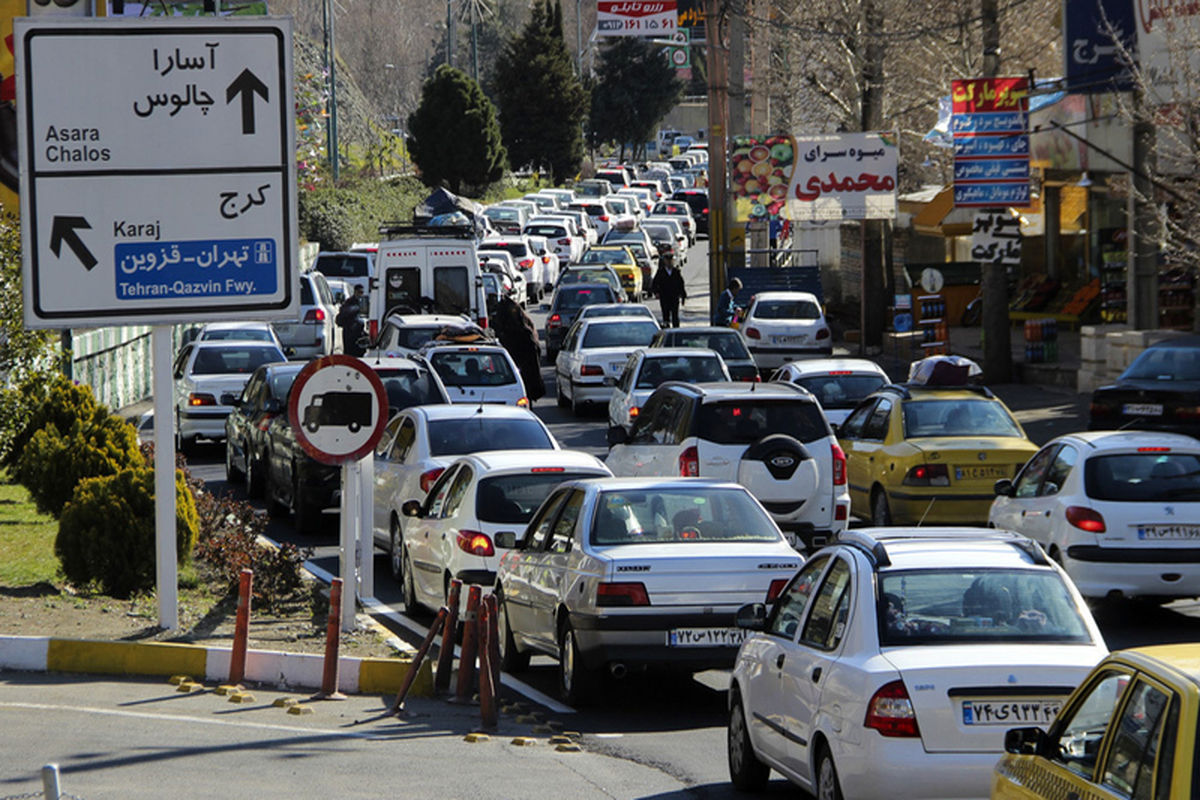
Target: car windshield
1150, 477
408, 387
410, 337
746, 421
622, 310
676, 514
957, 418
472, 368
1165, 364
728, 345
627, 334
940, 606
787, 309
244, 334
697, 369
840, 391
233, 360
512, 499
456, 437
574, 299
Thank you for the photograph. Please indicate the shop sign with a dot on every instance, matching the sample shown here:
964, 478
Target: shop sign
990, 126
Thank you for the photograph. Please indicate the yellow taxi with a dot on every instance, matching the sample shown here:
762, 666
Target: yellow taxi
930, 454
1129, 731
623, 262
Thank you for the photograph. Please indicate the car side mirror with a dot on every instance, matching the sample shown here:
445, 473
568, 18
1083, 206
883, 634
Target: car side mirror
1026, 741
752, 617
289, 351
617, 435
505, 539
230, 399
1004, 488
411, 508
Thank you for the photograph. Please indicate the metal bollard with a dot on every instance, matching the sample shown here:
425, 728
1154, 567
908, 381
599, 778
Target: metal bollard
50, 784
494, 641
466, 660
333, 632
416, 664
487, 688
445, 664
241, 631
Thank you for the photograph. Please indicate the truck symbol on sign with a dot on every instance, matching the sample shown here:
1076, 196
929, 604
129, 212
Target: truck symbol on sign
348, 409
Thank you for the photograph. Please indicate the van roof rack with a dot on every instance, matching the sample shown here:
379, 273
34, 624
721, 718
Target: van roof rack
393, 230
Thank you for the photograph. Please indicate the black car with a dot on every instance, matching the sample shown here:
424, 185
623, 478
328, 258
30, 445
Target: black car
568, 299
263, 399
697, 200
1159, 391
726, 341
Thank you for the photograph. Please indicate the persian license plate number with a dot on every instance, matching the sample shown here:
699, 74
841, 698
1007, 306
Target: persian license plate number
1168, 531
706, 637
789, 339
969, 473
1010, 712
1142, 409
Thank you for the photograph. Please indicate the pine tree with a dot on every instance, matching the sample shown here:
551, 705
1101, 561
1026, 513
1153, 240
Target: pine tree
635, 89
454, 138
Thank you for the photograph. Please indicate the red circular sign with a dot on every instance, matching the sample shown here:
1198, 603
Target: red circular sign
337, 409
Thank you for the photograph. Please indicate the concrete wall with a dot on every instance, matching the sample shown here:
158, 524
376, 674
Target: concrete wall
1105, 351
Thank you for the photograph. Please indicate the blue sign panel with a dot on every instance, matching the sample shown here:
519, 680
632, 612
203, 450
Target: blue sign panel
1001, 145
991, 195
967, 170
1092, 30
233, 268
996, 122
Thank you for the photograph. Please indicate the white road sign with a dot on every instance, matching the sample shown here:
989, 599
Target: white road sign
157, 170
337, 408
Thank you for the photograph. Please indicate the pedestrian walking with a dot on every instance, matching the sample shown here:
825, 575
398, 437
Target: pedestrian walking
518, 335
727, 304
349, 319
668, 285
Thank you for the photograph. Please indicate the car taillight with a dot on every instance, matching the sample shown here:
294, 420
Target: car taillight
201, 399
483, 322
564, 241
1187, 412
775, 588
634, 411
555, 321
622, 594
839, 465
373, 327
315, 316
1086, 519
429, 476
590, 369
689, 462
525, 263
823, 333
264, 421
603, 217
928, 475
523, 402
891, 711
1101, 410
841, 512
753, 333
545, 259
475, 543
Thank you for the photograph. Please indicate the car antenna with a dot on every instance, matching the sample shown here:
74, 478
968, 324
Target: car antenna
921, 522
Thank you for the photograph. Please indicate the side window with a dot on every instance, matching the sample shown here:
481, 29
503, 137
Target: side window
181, 361
564, 527
662, 429
827, 622
681, 419
450, 290
876, 426
539, 526
1136, 743
853, 426
384, 448
1056, 476
253, 390
458, 491
405, 436
789, 608
436, 501
640, 432
1032, 473
1081, 732
626, 381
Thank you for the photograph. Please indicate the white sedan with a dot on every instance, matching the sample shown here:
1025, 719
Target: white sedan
782, 326
1120, 510
837, 383
647, 369
209, 378
477, 373
593, 357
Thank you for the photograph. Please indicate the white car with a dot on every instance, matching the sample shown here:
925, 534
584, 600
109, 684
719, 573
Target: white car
644, 198
593, 355
619, 574
313, 332
545, 202
1120, 510
551, 264
405, 334
596, 211
451, 533
838, 383
240, 331
525, 259
568, 246
506, 219
477, 373
681, 211
565, 196
646, 370
503, 262
624, 211
896, 659
770, 437
208, 380
677, 230
638, 310
580, 240
421, 441
781, 326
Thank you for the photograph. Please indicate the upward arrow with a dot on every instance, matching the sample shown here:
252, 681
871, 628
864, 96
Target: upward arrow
247, 85
63, 230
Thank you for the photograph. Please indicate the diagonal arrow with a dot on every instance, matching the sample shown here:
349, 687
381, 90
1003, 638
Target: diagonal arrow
247, 85
63, 230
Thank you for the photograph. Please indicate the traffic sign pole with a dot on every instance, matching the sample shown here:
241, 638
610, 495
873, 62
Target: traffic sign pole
366, 524
349, 541
166, 571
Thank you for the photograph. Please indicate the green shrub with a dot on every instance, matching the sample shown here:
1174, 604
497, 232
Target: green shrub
106, 533
352, 212
39, 401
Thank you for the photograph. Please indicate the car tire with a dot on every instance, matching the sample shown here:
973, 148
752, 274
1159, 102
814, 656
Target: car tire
881, 511
254, 477
183, 445
828, 787
396, 553
512, 660
746, 772
232, 473
576, 683
561, 398
408, 589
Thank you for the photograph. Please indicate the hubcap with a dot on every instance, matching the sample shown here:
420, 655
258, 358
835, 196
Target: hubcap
568, 660
826, 780
737, 733
397, 564
502, 629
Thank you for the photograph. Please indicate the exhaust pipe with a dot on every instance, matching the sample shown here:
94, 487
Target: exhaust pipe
618, 670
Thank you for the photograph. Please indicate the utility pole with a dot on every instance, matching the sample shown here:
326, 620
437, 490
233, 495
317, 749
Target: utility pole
993, 278
1142, 305
872, 302
331, 130
450, 42
718, 116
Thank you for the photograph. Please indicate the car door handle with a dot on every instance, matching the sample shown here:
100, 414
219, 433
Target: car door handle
779, 661
816, 674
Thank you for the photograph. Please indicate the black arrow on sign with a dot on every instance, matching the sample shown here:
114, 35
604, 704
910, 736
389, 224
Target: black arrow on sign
63, 230
247, 85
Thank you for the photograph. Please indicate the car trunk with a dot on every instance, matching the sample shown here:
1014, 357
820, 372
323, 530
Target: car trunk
966, 696
218, 385
1161, 405
714, 575
976, 463
611, 359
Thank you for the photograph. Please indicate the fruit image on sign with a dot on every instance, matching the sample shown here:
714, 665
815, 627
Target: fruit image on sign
760, 172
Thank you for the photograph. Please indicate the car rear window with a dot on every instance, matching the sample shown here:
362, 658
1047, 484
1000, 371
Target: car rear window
333, 266
549, 231
605, 257
698, 369
306, 293
728, 345
940, 606
472, 369
456, 437
786, 309
408, 387
622, 310
569, 299
840, 391
746, 421
957, 418
627, 334
1165, 364
680, 515
245, 334
512, 499
502, 213
516, 249
409, 337
1145, 477
233, 361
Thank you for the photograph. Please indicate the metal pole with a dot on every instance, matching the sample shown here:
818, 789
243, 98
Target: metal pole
51, 789
166, 569
365, 526
993, 281
348, 541
718, 89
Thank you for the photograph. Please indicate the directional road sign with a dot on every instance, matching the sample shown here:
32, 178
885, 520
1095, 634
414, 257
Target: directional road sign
157, 170
337, 408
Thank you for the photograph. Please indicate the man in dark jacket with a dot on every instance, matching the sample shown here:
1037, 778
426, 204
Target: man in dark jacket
349, 319
517, 334
668, 285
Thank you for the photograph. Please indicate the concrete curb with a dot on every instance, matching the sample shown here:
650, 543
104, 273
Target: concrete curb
267, 667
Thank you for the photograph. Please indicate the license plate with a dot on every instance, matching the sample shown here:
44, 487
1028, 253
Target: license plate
970, 473
1168, 531
1010, 712
789, 339
706, 637
1142, 409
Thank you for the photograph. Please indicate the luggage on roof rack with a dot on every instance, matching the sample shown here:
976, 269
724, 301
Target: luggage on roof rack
398, 230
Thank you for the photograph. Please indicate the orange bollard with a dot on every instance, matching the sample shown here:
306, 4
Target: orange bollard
445, 664
489, 719
241, 631
466, 661
494, 641
333, 632
416, 664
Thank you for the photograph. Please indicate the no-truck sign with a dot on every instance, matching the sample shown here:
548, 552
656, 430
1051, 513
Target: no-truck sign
337, 409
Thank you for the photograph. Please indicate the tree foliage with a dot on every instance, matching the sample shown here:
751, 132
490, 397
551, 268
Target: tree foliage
454, 138
635, 89
542, 102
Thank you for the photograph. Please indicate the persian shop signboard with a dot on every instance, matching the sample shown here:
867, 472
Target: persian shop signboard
636, 17
990, 125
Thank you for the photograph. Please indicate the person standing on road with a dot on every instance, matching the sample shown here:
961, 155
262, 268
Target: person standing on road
668, 285
349, 319
727, 304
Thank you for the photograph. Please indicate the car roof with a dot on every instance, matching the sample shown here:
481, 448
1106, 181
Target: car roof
586, 321
232, 344
496, 460
225, 325
415, 320
705, 329
1181, 659
724, 390
1132, 439
900, 548
786, 296
1179, 341
814, 366
676, 352
470, 410
391, 362
643, 484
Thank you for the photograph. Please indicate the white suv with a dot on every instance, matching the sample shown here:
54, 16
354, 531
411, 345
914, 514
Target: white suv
772, 438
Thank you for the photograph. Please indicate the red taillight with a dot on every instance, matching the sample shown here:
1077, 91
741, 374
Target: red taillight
891, 711
475, 543
840, 372
264, 421
823, 333
1154, 449
373, 327
1101, 410
315, 316
483, 322
841, 512
775, 588
564, 241
1187, 412
753, 333
1086, 519
555, 321
689, 462
201, 399
429, 476
622, 594
634, 411
548, 469
928, 475
604, 217
590, 369
839, 465
525, 263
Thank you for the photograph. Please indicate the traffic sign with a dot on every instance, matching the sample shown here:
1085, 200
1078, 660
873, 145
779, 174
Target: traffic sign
681, 52
337, 408
157, 182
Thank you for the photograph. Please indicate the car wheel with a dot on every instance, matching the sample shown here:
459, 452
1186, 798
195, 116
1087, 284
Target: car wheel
254, 476
576, 683
745, 770
511, 659
881, 512
562, 398
408, 589
396, 554
828, 787
183, 446
232, 473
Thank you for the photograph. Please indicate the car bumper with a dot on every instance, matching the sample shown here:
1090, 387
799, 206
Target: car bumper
773, 357
591, 392
873, 768
208, 424
642, 640
1134, 571
939, 509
